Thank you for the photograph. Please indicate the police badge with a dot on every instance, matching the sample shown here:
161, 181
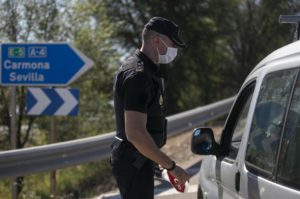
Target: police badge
161, 100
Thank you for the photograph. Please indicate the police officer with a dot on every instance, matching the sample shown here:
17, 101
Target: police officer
139, 102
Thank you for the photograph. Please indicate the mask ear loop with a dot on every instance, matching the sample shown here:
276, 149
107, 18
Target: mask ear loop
157, 49
156, 40
164, 43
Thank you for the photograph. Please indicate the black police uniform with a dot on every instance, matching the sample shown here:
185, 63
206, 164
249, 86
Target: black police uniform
137, 87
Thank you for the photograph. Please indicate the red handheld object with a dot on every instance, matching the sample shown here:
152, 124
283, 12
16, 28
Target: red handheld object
169, 177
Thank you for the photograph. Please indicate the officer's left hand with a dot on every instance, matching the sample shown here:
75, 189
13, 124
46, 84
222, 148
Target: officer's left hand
181, 175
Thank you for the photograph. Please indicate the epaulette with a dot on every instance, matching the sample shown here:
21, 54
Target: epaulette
133, 62
140, 66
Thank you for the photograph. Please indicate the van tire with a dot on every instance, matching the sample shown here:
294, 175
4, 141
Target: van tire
199, 193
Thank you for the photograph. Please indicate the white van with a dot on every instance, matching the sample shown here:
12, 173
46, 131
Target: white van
258, 156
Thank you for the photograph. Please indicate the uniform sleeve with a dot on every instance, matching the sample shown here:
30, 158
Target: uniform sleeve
136, 93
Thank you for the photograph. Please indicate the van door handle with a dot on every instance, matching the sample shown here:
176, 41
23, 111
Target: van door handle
237, 181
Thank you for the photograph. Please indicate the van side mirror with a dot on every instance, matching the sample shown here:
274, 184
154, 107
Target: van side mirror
203, 142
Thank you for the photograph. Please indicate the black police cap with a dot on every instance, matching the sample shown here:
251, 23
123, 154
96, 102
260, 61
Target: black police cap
166, 27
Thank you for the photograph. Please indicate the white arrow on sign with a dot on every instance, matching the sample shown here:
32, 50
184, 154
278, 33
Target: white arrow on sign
69, 102
42, 102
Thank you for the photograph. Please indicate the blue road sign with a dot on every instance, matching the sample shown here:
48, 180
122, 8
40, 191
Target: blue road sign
41, 64
56, 101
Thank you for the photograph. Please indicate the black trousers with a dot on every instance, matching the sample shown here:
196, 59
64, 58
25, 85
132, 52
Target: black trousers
135, 181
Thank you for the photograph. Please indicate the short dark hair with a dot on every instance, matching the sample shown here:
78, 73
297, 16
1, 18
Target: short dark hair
147, 33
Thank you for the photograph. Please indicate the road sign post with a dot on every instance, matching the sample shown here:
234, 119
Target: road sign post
13, 132
53, 172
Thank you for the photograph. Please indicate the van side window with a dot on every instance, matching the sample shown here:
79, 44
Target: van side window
240, 127
267, 122
289, 161
235, 127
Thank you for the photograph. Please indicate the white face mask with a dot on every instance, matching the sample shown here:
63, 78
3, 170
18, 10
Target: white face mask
169, 56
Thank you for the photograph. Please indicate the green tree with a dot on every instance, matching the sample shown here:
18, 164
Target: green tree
92, 32
256, 33
195, 74
226, 39
84, 24
24, 21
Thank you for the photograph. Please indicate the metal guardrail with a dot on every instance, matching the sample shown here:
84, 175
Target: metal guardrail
55, 156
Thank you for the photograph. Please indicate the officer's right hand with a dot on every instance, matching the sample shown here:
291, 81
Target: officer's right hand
180, 174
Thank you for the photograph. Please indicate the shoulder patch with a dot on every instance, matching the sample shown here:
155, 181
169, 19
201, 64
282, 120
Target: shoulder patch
140, 66
129, 63
133, 63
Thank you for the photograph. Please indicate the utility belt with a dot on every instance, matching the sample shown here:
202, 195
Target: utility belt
122, 149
